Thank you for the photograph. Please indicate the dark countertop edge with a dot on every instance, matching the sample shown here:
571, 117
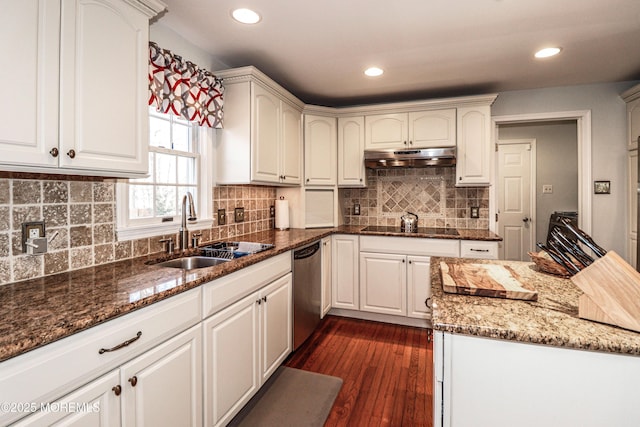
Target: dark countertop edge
212, 274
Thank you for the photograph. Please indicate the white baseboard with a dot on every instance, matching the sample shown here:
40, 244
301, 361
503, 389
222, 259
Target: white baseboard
386, 318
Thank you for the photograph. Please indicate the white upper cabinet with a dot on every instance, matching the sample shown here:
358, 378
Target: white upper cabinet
474, 146
351, 170
81, 97
632, 98
432, 129
386, 131
320, 150
419, 129
261, 142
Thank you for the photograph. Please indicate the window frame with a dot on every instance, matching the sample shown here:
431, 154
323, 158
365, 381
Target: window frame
125, 230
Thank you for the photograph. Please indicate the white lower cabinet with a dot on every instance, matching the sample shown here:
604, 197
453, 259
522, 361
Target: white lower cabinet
100, 406
488, 382
244, 344
162, 387
419, 287
345, 283
325, 293
383, 283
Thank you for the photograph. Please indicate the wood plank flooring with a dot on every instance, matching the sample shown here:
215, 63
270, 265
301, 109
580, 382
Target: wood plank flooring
387, 371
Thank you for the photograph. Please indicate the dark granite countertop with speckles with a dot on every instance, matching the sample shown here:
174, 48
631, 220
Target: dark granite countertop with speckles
551, 320
40, 311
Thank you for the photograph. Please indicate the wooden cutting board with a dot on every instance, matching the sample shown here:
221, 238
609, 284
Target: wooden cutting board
611, 292
488, 280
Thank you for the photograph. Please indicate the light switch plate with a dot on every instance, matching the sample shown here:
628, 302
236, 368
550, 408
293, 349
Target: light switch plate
222, 217
475, 212
238, 214
547, 189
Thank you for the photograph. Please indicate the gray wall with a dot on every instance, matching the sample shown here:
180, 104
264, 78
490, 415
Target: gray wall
609, 146
556, 164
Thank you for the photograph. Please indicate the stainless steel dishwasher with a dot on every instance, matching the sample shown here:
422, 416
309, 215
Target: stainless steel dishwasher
307, 265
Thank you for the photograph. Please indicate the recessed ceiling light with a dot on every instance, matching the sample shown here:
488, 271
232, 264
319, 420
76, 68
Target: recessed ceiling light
547, 52
373, 71
246, 16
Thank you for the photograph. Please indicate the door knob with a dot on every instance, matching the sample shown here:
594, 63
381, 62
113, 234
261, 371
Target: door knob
526, 219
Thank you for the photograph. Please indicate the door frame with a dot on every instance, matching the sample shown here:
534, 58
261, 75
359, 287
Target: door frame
532, 188
583, 122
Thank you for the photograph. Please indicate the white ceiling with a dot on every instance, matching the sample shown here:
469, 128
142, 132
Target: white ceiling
428, 48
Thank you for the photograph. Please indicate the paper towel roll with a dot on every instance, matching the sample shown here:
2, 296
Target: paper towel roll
282, 214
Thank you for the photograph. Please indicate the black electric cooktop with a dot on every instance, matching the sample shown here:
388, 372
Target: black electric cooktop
421, 230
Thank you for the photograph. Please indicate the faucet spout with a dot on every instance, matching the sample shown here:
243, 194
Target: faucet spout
184, 232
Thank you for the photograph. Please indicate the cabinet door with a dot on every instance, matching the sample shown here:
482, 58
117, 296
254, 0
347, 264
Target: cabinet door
633, 118
432, 128
418, 286
291, 145
632, 198
383, 283
96, 405
277, 326
326, 276
386, 131
231, 365
474, 146
163, 387
320, 150
29, 36
345, 286
104, 86
351, 170
265, 135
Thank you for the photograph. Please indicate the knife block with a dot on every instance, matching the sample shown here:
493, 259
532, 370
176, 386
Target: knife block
611, 292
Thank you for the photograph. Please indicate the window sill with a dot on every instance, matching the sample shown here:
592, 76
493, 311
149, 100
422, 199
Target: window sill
157, 230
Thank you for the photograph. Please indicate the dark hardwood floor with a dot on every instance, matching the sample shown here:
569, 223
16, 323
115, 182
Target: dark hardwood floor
386, 369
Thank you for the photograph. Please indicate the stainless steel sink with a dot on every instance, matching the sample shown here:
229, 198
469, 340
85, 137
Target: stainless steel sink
192, 262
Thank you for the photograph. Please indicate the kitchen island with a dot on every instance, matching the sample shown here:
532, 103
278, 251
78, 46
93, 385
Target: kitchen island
504, 362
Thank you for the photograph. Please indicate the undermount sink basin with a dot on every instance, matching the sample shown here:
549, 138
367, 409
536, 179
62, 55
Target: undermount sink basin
192, 262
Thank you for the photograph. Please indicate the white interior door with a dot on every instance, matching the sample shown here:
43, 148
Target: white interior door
516, 198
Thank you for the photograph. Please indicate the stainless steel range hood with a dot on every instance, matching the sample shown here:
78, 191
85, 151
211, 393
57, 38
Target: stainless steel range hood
418, 158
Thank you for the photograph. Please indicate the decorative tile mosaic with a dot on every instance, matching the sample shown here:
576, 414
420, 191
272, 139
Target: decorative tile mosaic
423, 195
428, 192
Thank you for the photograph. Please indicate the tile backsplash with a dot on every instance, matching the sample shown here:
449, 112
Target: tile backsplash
82, 210
430, 193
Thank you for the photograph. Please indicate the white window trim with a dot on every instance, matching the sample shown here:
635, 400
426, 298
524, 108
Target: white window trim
205, 196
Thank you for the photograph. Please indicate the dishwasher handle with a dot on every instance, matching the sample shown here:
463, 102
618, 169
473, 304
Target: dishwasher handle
307, 251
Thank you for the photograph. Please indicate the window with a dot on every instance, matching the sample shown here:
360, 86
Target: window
152, 206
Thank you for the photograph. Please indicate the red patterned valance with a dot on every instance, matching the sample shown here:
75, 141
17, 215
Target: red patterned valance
182, 88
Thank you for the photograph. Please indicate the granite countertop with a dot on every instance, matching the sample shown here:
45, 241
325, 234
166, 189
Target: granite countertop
40, 311
551, 320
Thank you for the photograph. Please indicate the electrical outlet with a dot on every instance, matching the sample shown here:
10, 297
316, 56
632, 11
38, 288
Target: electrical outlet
32, 230
272, 211
475, 212
238, 214
356, 209
547, 189
222, 216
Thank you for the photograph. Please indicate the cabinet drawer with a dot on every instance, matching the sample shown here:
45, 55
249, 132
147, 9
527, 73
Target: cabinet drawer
478, 249
410, 246
49, 372
225, 291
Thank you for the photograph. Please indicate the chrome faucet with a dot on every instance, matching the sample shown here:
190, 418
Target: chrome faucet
184, 233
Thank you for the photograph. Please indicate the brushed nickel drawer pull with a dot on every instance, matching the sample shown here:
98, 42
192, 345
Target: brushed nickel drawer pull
124, 344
